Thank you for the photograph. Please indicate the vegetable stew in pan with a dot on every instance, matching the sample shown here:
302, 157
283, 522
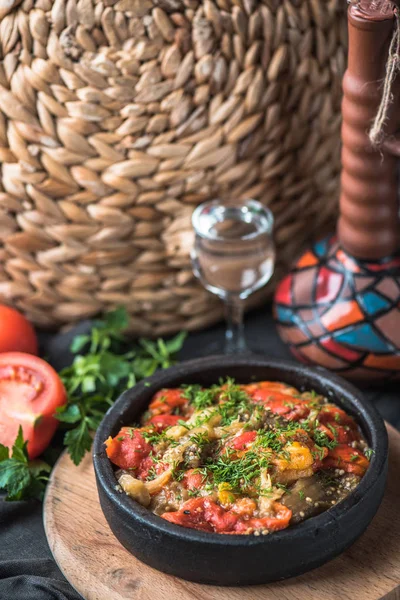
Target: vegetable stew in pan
239, 459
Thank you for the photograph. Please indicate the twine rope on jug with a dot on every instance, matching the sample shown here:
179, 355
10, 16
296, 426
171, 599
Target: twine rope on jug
377, 134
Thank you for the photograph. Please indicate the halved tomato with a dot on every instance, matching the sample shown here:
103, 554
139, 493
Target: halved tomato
16, 333
30, 392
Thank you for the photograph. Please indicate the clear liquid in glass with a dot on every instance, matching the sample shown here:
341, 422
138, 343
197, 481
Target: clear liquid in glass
234, 253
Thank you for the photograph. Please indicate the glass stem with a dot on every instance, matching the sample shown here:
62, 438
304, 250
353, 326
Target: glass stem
235, 342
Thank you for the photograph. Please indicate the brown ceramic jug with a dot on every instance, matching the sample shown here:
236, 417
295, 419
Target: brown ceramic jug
339, 306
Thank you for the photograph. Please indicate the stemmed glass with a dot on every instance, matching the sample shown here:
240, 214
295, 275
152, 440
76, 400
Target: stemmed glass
233, 256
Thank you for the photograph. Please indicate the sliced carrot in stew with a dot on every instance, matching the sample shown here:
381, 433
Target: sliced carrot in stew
128, 449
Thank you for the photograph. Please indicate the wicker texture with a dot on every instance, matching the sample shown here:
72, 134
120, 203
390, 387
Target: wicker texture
118, 117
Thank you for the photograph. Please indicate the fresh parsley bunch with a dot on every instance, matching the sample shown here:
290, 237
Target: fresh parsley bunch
97, 377
102, 369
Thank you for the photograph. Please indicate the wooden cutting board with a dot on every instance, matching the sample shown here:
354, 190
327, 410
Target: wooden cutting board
99, 568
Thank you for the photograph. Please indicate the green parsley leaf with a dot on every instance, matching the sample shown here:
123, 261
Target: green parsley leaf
14, 477
4, 452
79, 342
70, 413
20, 478
78, 441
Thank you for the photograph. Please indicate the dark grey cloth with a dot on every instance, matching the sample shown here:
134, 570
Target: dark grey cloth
27, 570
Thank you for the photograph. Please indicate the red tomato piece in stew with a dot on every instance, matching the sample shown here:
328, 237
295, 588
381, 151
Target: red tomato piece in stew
128, 449
191, 515
165, 401
241, 442
207, 515
291, 408
346, 458
161, 422
193, 479
280, 519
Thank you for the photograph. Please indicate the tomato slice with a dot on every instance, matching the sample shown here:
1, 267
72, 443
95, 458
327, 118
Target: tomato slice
336, 416
203, 514
30, 392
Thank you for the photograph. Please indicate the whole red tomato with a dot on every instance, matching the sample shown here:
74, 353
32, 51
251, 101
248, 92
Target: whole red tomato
16, 333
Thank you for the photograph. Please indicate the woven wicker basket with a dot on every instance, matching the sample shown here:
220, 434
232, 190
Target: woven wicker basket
117, 117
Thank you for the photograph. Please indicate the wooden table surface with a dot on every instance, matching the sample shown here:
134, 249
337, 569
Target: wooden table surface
96, 564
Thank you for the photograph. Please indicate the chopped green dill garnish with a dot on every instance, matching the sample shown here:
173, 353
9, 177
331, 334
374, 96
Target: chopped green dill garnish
200, 439
233, 402
327, 480
353, 457
301, 495
120, 438
269, 439
151, 474
200, 398
152, 436
368, 452
178, 472
333, 429
281, 486
238, 472
321, 439
318, 453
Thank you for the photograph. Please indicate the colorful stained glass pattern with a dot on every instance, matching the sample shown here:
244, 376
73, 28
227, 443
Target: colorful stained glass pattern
342, 313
